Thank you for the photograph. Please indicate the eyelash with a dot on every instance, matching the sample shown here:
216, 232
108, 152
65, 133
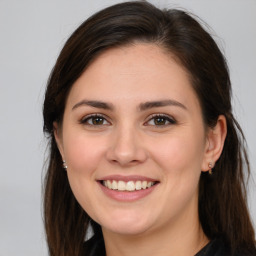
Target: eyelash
164, 117
85, 120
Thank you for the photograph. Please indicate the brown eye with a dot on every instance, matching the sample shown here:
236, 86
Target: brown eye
160, 120
94, 120
97, 120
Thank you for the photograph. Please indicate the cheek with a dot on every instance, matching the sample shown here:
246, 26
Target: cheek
180, 160
180, 152
83, 156
83, 153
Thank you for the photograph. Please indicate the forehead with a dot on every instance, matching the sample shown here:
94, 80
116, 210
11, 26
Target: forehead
142, 71
135, 59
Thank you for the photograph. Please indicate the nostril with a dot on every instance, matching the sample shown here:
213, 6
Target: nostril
128, 152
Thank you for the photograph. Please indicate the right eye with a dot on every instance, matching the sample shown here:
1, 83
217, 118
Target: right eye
160, 120
94, 120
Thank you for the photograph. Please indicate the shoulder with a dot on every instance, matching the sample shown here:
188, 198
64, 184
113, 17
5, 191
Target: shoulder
94, 247
218, 247
214, 248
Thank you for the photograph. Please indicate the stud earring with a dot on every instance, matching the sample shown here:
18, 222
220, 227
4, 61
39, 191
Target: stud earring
64, 165
210, 165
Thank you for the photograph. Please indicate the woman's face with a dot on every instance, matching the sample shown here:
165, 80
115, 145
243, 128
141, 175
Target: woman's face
134, 141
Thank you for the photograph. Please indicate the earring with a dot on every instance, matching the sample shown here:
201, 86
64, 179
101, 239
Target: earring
64, 165
210, 165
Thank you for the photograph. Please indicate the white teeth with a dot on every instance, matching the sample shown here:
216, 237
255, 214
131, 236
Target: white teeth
130, 186
114, 184
109, 184
149, 184
127, 186
144, 184
121, 185
138, 185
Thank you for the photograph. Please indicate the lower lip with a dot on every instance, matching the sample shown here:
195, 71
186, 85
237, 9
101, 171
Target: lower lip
127, 196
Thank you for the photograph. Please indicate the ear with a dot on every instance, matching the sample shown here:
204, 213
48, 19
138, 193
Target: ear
214, 143
58, 138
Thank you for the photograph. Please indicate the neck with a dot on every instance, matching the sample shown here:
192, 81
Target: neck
181, 237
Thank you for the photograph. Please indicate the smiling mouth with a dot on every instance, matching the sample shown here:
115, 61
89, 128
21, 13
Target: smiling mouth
127, 186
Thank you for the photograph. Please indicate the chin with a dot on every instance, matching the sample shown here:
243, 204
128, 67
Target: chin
127, 225
126, 230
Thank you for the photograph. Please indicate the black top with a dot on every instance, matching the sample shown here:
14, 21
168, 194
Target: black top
214, 248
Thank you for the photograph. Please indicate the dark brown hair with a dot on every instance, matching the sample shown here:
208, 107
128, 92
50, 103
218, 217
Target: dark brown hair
222, 197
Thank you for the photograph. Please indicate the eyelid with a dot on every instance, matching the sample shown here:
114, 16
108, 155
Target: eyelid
169, 118
84, 119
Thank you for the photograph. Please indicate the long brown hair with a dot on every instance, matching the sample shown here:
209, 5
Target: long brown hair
222, 197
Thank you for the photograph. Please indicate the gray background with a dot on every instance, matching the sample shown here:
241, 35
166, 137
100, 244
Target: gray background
32, 33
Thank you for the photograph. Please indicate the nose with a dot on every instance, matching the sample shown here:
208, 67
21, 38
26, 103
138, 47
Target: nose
126, 147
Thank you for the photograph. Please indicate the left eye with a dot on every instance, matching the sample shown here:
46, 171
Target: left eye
160, 120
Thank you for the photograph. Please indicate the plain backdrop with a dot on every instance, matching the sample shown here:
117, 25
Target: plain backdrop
32, 32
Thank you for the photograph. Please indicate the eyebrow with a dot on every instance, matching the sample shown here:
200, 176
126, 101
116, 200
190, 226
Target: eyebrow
94, 104
142, 107
161, 103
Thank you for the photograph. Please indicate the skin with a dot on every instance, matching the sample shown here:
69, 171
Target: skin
128, 140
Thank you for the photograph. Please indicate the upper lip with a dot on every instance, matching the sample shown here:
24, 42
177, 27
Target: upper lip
127, 178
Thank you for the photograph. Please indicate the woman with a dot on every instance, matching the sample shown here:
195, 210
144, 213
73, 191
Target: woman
144, 147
